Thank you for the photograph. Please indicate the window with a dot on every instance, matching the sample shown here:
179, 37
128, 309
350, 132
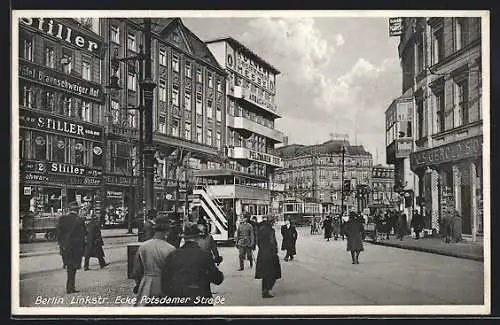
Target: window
437, 45
28, 97
28, 48
162, 124
48, 101
461, 100
115, 34
217, 140
187, 130
199, 135
66, 61
219, 85
131, 44
420, 54
86, 72
50, 57
420, 118
439, 102
57, 148
209, 137
209, 108
231, 107
187, 101
78, 152
210, 80
132, 81
162, 90
460, 33
115, 111
218, 114
67, 107
199, 109
175, 95
175, 128
198, 75
187, 69
131, 119
163, 57
175, 63
86, 112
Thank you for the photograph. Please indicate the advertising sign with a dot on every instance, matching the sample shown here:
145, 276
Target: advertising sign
48, 167
395, 26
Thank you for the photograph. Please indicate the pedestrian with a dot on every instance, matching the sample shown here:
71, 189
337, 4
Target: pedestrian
93, 244
175, 230
446, 224
255, 226
343, 224
189, 271
336, 221
268, 265
148, 225
354, 231
207, 243
245, 241
289, 234
149, 262
70, 231
327, 226
456, 226
402, 225
417, 223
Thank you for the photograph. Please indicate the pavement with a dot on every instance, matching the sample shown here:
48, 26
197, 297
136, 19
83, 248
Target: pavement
464, 249
320, 275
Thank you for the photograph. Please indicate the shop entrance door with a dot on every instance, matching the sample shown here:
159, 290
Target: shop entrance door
466, 210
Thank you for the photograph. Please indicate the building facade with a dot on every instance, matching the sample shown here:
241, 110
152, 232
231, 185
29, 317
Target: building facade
382, 194
315, 173
441, 62
61, 101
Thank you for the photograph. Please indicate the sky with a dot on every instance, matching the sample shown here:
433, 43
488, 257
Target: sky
338, 74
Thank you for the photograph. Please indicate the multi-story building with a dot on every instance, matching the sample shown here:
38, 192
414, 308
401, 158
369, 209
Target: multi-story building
441, 62
188, 109
61, 101
245, 181
315, 173
382, 194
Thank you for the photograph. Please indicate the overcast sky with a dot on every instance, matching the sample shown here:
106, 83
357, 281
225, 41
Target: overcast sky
338, 75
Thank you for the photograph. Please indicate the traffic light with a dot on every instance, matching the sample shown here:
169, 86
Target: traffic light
347, 185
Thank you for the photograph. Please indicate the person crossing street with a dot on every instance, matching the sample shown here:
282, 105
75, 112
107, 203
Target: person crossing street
245, 241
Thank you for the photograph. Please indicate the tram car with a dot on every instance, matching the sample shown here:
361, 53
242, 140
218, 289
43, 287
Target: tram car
300, 213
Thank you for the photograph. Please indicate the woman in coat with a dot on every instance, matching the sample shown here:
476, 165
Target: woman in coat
268, 265
150, 261
354, 230
327, 225
289, 234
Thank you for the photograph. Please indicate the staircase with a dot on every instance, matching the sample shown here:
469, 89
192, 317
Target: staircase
212, 207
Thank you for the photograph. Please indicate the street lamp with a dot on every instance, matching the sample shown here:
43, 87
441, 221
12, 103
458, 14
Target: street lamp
145, 109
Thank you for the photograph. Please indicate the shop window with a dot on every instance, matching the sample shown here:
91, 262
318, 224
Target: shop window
40, 147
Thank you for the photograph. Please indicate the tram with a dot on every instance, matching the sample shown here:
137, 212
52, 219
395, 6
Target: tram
300, 213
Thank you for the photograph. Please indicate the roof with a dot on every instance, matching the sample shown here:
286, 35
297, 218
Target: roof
239, 46
329, 147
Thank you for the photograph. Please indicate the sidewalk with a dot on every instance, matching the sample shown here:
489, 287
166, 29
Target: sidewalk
464, 249
115, 233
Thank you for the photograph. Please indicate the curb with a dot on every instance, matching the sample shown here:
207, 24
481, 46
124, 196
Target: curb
430, 250
56, 252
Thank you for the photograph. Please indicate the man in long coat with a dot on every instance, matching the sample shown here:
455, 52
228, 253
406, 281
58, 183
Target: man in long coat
268, 264
402, 225
94, 243
150, 261
327, 226
189, 271
71, 237
354, 231
336, 222
289, 234
245, 241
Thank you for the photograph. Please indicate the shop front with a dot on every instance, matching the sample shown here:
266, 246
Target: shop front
450, 184
120, 200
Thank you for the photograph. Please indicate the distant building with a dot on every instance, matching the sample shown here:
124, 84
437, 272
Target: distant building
314, 173
382, 194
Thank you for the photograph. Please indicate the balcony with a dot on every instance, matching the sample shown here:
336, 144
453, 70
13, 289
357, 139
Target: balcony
239, 191
246, 95
249, 154
399, 149
246, 124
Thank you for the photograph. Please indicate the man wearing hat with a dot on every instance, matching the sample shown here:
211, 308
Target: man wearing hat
71, 237
245, 240
148, 225
150, 261
94, 243
188, 272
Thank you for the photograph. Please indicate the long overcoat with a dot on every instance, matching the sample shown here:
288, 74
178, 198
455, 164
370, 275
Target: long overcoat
327, 225
354, 231
70, 231
336, 222
188, 272
94, 242
289, 239
268, 263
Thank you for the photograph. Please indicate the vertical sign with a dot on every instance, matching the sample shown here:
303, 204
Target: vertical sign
395, 26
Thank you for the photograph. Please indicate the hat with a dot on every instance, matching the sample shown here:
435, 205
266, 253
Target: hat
191, 231
73, 205
161, 223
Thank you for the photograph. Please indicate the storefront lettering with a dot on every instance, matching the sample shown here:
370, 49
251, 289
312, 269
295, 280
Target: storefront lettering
59, 179
66, 169
447, 153
56, 79
59, 168
263, 157
63, 32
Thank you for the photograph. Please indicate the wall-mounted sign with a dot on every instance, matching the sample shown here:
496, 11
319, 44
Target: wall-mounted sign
468, 148
114, 194
44, 121
27, 190
265, 158
120, 180
57, 29
60, 81
48, 167
395, 26
61, 179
